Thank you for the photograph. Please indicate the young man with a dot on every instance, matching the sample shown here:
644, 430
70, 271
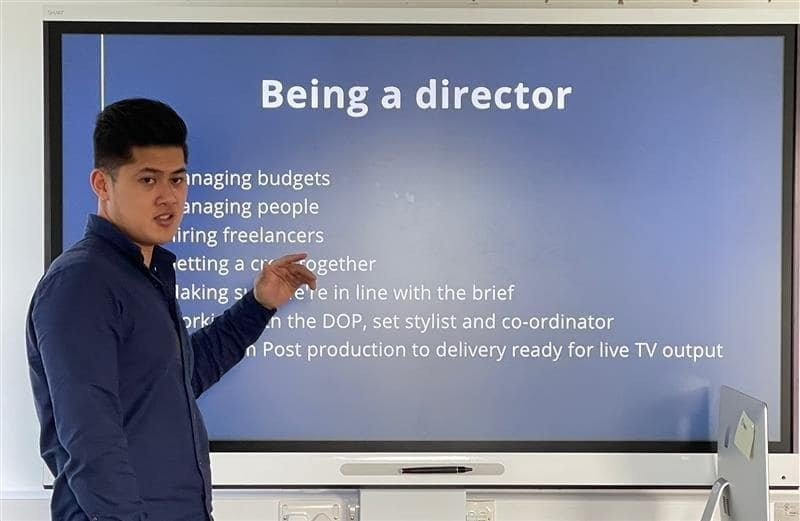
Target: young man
114, 373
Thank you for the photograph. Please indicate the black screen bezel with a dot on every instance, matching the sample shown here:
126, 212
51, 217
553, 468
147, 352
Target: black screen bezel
53, 31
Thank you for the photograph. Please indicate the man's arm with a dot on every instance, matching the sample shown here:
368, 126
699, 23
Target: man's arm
222, 344
76, 325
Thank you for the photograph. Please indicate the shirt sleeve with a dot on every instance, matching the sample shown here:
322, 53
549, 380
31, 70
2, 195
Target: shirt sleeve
223, 343
77, 325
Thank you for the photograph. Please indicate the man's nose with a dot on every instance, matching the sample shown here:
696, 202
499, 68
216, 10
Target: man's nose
167, 193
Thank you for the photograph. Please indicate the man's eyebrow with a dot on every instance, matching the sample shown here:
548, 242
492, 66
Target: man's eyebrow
149, 170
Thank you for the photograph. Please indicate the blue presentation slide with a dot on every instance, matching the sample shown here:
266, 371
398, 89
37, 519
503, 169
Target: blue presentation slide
516, 238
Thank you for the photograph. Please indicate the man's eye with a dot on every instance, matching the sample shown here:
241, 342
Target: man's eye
147, 180
177, 180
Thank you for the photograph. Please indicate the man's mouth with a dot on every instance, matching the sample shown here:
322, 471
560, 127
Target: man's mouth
165, 219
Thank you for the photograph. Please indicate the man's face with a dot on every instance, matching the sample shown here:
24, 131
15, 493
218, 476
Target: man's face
147, 197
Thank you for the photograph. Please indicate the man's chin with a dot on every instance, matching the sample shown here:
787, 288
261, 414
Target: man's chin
162, 236
166, 238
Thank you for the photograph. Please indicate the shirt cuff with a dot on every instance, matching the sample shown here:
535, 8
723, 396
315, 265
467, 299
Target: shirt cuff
251, 304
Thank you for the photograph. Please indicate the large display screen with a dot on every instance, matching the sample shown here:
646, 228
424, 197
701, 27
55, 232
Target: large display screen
525, 237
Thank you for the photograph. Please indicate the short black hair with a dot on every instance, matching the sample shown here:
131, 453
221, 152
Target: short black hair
135, 122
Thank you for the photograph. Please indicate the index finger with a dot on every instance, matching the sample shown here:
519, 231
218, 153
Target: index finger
288, 259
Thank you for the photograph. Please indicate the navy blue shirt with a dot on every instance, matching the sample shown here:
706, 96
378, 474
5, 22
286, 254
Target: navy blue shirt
115, 376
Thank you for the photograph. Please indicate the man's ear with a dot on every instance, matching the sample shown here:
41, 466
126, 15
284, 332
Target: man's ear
101, 183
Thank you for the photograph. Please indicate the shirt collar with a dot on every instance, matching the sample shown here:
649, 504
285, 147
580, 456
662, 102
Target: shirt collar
106, 230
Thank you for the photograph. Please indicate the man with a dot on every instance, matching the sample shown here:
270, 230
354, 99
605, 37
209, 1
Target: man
114, 372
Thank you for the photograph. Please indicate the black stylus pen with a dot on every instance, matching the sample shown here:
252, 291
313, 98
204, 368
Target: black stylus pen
457, 469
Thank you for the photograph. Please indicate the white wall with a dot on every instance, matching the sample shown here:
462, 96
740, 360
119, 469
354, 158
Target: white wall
21, 264
21, 236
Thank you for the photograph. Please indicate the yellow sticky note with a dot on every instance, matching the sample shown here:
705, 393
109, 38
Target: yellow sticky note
745, 435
